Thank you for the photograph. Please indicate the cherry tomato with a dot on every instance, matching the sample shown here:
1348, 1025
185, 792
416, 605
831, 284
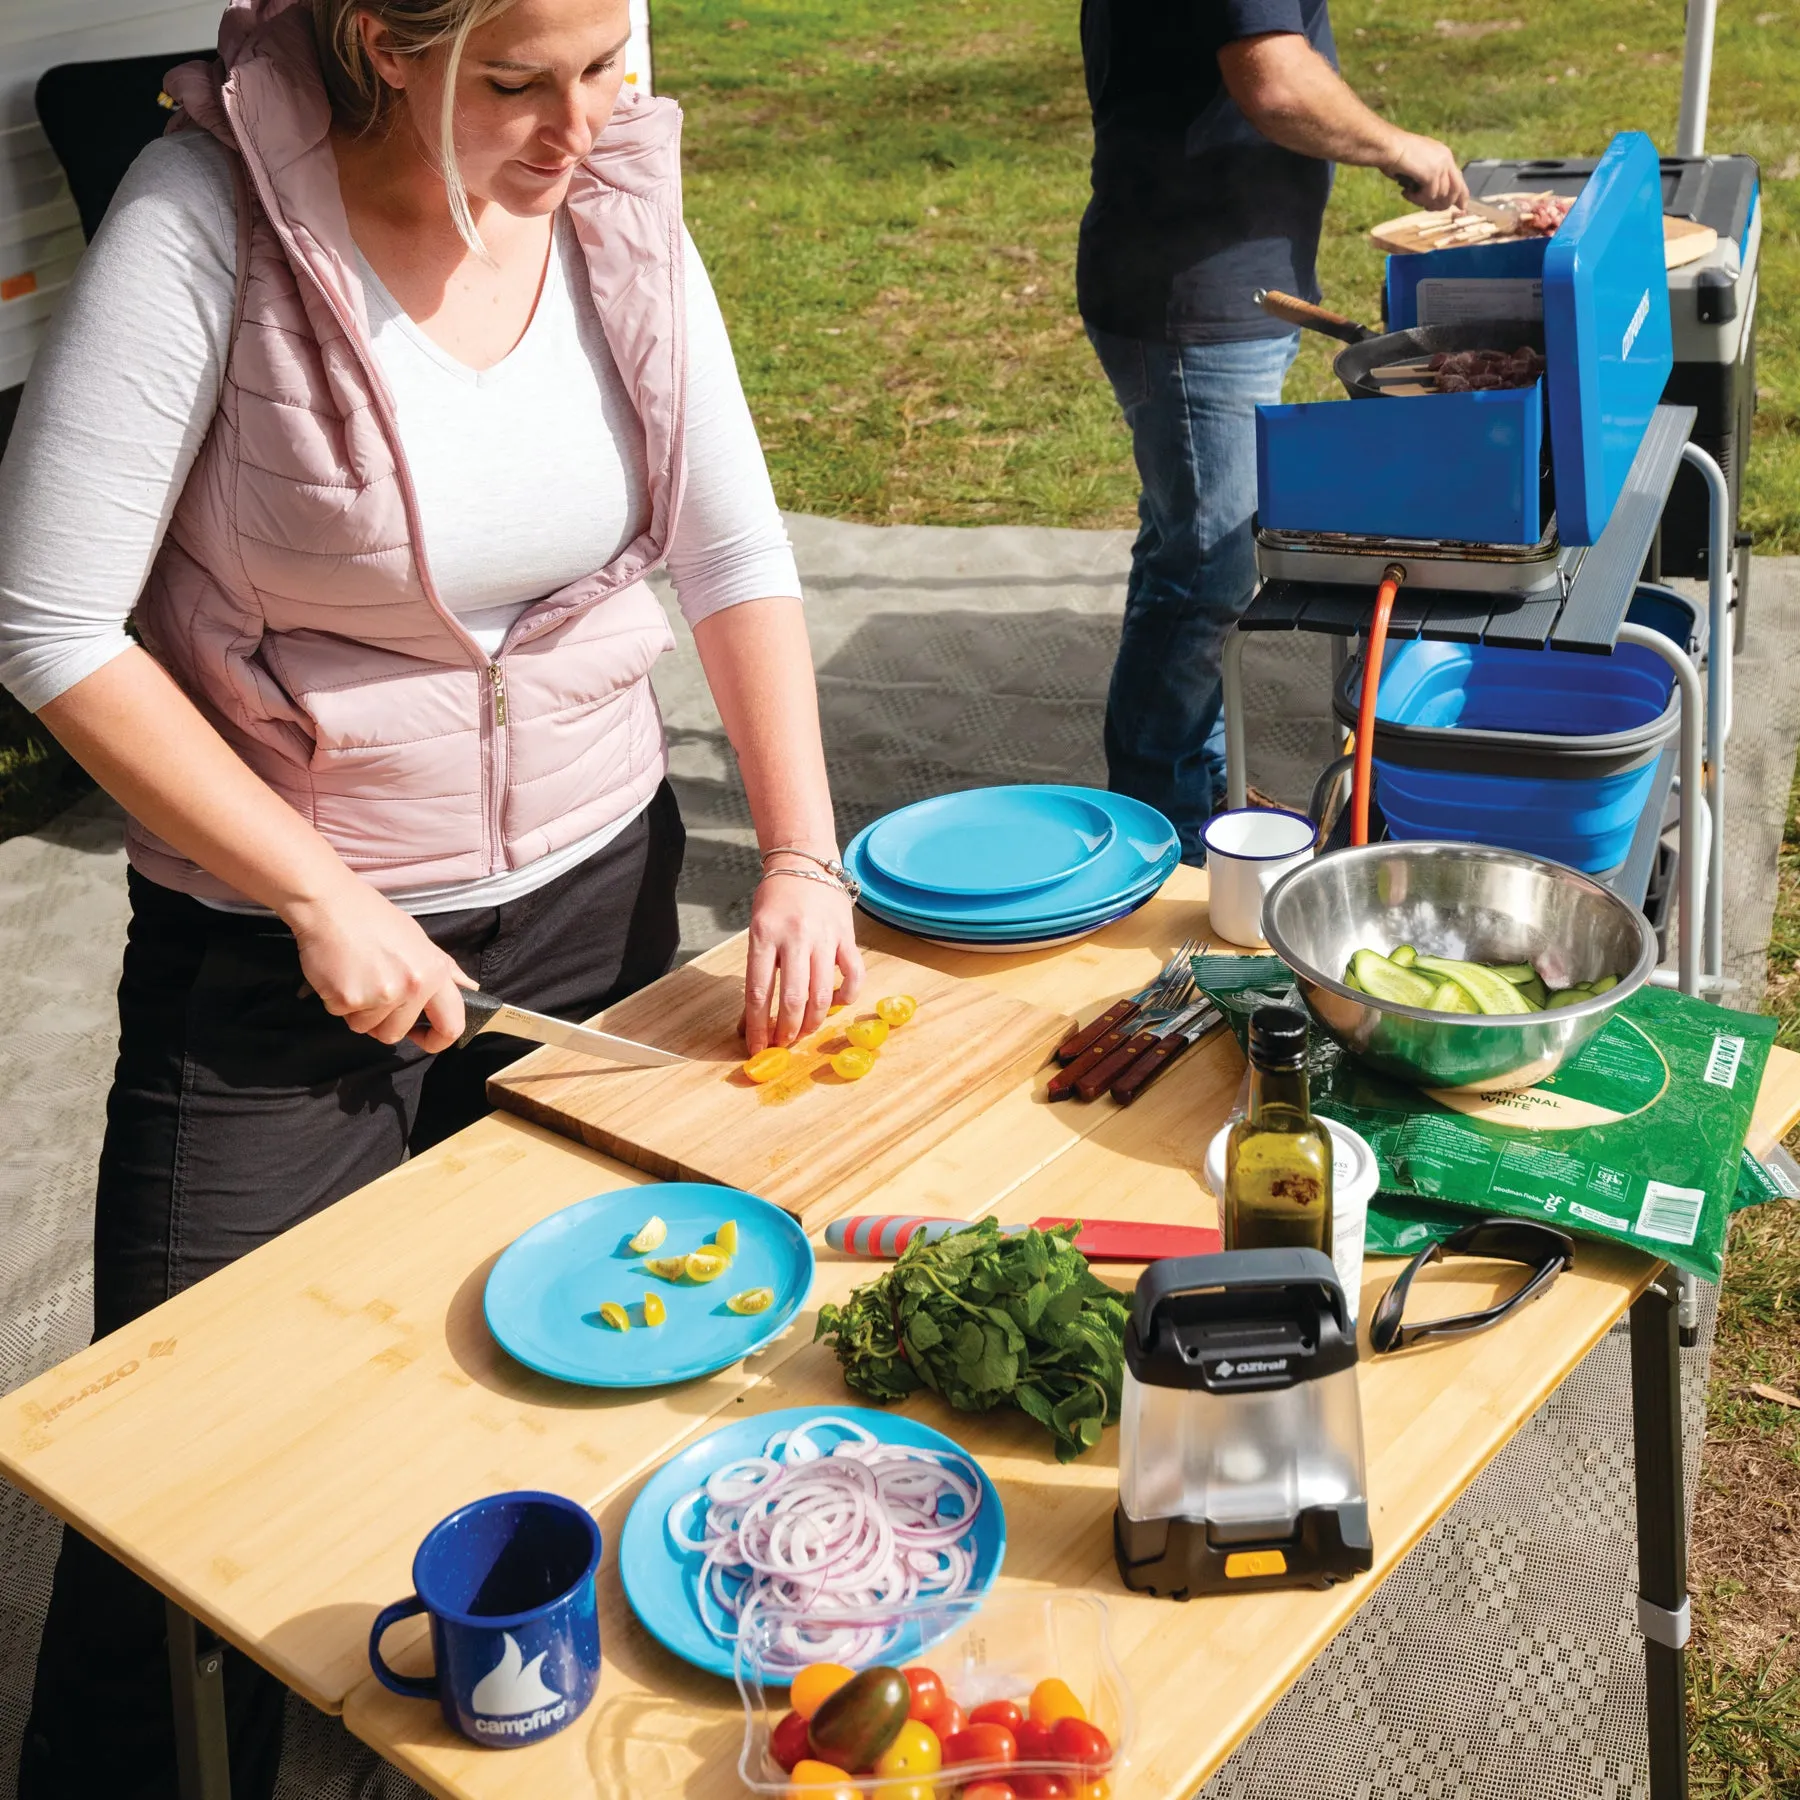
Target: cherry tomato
1033, 1741
1096, 1790
867, 1034
990, 1790
906, 1790
929, 1701
1054, 1699
896, 1010
981, 1744
787, 1742
951, 1723
852, 1064
765, 1065
914, 1751
1086, 1746
814, 1685
811, 1780
998, 1712
1047, 1785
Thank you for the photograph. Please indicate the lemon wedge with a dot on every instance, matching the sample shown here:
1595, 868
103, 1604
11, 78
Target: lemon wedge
752, 1300
654, 1310
705, 1264
650, 1237
666, 1268
613, 1314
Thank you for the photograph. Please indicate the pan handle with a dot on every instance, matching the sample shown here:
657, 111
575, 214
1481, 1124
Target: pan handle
1314, 318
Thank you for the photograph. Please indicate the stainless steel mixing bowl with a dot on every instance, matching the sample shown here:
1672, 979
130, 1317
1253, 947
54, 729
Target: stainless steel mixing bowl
1465, 901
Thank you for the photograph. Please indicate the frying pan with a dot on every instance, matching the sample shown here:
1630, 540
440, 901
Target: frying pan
1367, 350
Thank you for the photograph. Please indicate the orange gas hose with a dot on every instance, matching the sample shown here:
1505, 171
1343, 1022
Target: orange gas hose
1373, 654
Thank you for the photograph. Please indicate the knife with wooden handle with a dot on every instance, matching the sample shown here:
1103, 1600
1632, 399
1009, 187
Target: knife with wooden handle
1078, 1041
1063, 1082
1158, 1057
1100, 1076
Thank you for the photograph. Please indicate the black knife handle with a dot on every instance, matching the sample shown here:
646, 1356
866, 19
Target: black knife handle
478, 1009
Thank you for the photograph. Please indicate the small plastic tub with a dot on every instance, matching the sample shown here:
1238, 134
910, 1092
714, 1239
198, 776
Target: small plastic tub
1541, 751
996, 1647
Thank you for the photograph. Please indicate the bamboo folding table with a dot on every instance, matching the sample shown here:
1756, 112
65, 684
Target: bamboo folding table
269, 1447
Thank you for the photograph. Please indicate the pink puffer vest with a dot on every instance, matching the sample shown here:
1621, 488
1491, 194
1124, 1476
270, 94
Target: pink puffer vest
291, 597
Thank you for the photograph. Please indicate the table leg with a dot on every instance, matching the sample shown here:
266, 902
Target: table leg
1661, 1530
197, 1678
1231, 694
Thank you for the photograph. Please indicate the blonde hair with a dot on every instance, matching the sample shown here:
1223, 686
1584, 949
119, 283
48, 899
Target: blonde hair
362, 101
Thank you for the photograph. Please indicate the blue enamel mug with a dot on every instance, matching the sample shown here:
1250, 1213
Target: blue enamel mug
508, 1584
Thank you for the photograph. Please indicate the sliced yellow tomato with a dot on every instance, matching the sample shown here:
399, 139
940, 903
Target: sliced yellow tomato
666, 1268
705, 1265
752, 1300
867, 1034
852, 1064
896, 1010
650, 1236
613, 1314
726, 1237
765, 1065
654, 1310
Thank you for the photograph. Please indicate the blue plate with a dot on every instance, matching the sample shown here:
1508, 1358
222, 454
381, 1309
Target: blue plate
988, 841
1011, 937
543, 1296
661, 1580
1143, 851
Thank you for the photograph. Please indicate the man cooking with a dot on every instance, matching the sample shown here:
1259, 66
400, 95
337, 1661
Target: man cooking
1216, 124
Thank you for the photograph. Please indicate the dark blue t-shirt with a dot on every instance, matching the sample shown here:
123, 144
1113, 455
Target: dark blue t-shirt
1193, 208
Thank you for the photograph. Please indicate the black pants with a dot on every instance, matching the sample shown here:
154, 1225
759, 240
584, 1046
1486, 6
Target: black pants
239, 1108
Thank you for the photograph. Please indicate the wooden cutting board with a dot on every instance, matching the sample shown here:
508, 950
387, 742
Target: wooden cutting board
1684, 240
809, 1141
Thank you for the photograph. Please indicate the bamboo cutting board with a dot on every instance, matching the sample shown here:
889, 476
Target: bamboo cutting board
1684, 240
808, 1141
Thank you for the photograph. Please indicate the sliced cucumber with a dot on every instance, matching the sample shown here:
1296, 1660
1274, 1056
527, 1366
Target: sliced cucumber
1376, 976
1517, 973
1451, 998
1604, 985
1567, 997
1490, 992
1403, 956
1535, 991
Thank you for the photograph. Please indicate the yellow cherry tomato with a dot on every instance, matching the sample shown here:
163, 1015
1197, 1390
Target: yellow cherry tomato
752, 1300
613, 1314
867, 1034
906, 1790
914, 1751
896, 1010
666, 1268
765, 1065
1054, 1699
654, 1310
852, 1064
814, 1685
704, 1265
650, 1236
1095, 1790
726, 1237
810, 1780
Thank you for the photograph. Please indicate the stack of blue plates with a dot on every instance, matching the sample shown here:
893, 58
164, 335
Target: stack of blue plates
1012, 868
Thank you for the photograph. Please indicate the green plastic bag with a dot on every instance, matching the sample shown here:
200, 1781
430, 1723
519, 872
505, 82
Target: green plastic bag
1647, 1148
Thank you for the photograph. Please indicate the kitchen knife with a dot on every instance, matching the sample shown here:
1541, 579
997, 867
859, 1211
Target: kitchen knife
486, 1012
1164, 1051
883, 1235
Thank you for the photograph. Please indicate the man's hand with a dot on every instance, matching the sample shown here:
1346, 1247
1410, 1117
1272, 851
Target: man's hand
1427, 173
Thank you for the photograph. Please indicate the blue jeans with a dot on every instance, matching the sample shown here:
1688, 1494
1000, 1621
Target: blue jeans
1192, 413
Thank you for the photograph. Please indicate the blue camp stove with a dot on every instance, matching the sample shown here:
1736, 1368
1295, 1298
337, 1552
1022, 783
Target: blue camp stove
1497, 490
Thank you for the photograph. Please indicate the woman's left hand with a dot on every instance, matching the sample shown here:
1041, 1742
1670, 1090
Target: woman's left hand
802, 933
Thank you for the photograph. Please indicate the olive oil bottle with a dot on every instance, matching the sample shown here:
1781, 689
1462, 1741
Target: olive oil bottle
1278, 1156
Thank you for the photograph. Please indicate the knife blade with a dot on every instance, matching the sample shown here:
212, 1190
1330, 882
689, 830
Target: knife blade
879, 1236
487, 1012
1505, 217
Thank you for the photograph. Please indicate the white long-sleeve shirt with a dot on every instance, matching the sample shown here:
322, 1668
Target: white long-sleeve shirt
529, 473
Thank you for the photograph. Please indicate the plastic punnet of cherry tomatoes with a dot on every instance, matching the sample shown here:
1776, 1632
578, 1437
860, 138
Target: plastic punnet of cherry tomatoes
814, 1685
867, 1034
1086, 1746
1054, 1699
814, 1780
896, 1010
788, 1742
930, 1702
998, 1712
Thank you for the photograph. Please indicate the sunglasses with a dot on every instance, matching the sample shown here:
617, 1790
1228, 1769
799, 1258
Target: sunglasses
1544, 1251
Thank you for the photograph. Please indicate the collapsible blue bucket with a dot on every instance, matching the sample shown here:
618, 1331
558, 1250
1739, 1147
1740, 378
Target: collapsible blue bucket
1547, 752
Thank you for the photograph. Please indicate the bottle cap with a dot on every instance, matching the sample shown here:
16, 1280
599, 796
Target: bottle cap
1277, 1037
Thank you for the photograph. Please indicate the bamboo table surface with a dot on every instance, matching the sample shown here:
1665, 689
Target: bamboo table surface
269, 1447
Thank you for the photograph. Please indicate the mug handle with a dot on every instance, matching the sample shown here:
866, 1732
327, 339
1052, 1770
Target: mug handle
414, 1687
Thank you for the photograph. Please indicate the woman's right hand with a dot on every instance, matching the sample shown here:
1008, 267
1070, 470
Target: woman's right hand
373, 967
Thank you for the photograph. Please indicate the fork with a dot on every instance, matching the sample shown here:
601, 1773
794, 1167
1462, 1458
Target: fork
1173, 994
1097, 1077
1121, 1011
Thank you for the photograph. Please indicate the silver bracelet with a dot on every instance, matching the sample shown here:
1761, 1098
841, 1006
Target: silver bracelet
844, 883
830, 864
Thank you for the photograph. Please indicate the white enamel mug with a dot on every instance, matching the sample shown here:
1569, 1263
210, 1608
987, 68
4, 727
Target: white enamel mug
1248, 850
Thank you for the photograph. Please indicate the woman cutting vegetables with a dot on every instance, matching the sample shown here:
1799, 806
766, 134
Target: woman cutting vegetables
322, 535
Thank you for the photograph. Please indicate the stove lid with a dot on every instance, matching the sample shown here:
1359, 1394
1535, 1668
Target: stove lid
1606, 332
